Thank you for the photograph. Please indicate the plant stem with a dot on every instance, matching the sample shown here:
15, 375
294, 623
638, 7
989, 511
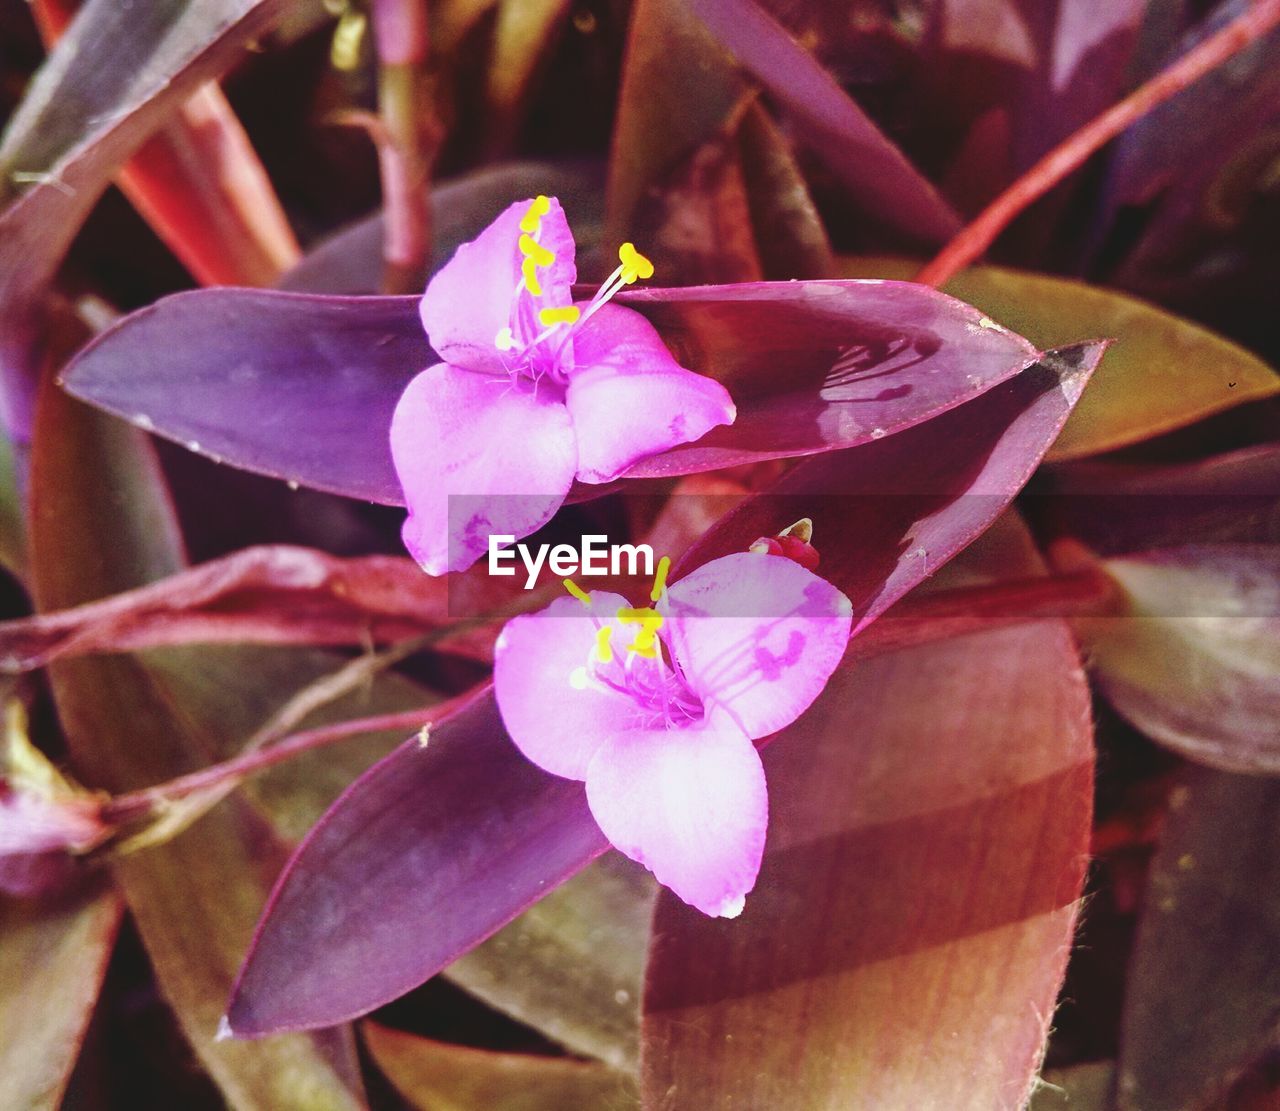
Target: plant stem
940, 616
972, 242
408, 137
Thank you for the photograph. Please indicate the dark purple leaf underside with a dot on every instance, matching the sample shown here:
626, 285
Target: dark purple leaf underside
874, 171
437, 847
102, 91
889, 514
302, 387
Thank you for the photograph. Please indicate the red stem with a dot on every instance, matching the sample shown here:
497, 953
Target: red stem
972, 242
947, 614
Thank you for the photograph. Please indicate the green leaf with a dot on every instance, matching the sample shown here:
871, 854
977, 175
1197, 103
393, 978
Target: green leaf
101, 523
1163, 373
435, 1076
572, 965
53, 955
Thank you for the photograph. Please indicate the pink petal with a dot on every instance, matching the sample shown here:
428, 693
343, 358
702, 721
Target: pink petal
476, 455
555, 723
758, 636
690, 805
630, 399
473, 296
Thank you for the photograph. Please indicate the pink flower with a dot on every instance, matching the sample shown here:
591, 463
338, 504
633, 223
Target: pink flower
656, 708
534, 390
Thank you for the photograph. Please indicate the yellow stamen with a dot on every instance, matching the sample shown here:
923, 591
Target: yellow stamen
530, 271
531, 248
577, 591
532, 218
660, 579
603, 652
650, 621
634, 264
504, 340
567, 315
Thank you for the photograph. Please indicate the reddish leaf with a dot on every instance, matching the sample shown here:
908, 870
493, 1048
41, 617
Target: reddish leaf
53, 955
274, 594
1126, 507
874, 171
1200, 997
906, 940
193, 898
103, 90
1193, 661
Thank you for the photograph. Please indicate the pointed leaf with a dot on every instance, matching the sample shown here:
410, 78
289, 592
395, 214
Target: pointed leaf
193, 898
105, 87
53, 955
907, 937
1194, 661
435, 1076
875, 172
250, 377
466, 823
1200, 997
1164, 371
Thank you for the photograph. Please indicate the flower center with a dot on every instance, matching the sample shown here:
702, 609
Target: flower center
535, 341
657, 688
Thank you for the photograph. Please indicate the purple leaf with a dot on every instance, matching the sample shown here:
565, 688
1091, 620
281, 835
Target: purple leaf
1117, 508
373, 902
350, 262
1201, 990
889, 514
435, 848
874, 171
102, 91
1194, 660
302, 387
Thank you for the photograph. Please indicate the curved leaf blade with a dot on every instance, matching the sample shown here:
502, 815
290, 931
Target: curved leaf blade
907, 937
303, 387
127, 727
1194, 662
104, 88
1164, 372
53, 956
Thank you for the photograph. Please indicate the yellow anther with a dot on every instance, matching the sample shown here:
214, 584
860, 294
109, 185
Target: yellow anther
504, 340
567, 315
660, 579
533, 215
603, 652
650, 621
531, 248
530, 272
634, 264
577, 591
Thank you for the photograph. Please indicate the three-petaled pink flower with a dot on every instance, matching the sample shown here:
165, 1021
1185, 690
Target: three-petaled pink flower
664, 739
534, 390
